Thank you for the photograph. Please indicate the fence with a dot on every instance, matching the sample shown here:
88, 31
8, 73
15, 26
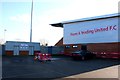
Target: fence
51, 49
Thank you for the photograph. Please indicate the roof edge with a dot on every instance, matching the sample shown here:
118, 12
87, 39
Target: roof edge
57, 25
85, 19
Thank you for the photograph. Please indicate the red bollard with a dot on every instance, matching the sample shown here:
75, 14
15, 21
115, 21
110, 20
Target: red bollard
36, 56
39, 56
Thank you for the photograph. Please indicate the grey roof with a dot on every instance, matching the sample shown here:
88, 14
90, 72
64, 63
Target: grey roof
22, 42
60, 24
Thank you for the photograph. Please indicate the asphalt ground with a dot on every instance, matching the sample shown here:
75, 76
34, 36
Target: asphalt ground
60, 67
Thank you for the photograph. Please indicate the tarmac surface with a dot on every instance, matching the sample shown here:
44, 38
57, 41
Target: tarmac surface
59, 68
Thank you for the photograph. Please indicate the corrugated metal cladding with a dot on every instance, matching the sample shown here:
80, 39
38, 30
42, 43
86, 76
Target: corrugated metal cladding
21, 48
51, 49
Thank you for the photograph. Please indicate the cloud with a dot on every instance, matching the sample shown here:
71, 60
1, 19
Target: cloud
41, 29
22, 18
82, 9
74, 9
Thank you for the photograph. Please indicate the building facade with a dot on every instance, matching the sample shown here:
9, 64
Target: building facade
99, 35
21, 48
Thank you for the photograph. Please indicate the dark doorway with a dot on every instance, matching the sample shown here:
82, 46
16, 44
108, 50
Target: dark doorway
83, 47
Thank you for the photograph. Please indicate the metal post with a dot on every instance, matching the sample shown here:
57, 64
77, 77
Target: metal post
4, 35
31, 22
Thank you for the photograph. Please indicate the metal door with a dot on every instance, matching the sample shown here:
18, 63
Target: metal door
31, 50
16, 50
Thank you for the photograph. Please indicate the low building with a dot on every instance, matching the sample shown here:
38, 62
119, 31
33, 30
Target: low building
21, 48
52, 49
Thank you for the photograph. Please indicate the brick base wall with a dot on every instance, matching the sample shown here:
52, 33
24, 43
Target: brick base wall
105, 50
104, 47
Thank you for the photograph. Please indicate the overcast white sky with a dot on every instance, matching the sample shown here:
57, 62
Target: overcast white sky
15, 17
